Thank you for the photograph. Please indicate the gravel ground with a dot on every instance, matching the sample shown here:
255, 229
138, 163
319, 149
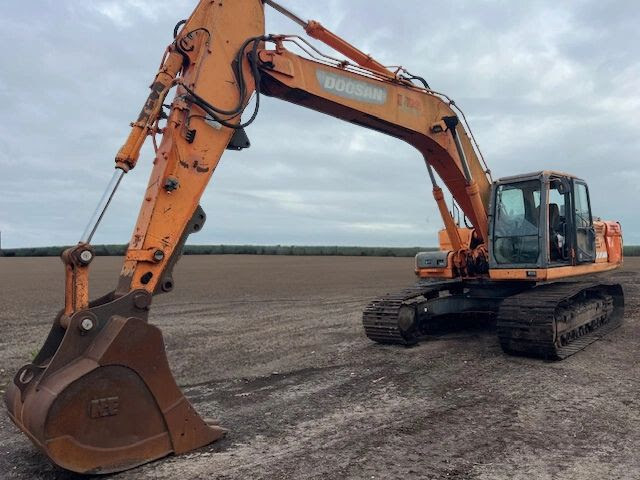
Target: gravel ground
273, 346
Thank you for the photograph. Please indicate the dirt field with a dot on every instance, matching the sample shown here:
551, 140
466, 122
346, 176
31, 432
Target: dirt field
273, 347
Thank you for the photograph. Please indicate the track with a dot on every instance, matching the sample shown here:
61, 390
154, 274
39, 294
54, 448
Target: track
391, 319
556, 320
550, 321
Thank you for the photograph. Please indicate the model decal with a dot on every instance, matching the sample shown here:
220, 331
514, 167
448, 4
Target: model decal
347, 87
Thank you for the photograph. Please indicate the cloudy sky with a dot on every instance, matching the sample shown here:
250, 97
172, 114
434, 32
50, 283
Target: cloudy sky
544, 84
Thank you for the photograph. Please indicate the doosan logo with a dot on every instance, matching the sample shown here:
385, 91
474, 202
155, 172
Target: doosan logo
346, 87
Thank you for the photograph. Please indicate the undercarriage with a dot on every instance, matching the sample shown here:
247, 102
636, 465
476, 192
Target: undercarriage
541, 320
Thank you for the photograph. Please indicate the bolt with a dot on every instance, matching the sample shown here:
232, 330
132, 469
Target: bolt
142, 301
86, 324
171, 184
158, 255
86, 256
167, 285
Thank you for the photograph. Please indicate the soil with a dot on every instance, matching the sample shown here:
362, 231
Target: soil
273, 347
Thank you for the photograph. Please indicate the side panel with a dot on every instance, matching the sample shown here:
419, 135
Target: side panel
602, 255
612, 242
445, 242
556, 273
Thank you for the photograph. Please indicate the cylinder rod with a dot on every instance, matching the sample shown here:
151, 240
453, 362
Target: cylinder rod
449, 223
434, 184
287, 13
102, 206
452, 123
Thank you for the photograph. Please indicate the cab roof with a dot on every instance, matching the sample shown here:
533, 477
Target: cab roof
535, 175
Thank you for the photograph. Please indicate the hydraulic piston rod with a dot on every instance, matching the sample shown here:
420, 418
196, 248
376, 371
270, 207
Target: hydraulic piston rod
449, 224
472, 188
316, 30
287, 13
107, 196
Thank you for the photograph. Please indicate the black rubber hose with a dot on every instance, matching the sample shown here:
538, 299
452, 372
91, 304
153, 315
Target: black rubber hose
214, 112
178, 25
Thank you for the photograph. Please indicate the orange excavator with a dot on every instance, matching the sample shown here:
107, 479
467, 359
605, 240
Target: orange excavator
99, 396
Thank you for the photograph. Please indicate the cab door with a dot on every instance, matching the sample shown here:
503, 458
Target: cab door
583, 222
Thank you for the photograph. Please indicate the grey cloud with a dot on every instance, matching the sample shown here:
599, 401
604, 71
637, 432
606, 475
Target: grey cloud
544, 84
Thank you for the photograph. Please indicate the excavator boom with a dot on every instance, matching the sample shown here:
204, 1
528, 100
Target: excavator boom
391, 106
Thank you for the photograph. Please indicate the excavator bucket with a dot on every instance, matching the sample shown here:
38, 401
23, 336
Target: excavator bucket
99, 397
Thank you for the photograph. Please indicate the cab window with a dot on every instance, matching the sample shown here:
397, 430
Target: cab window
585, 235
583, 212
558, 205
516, 228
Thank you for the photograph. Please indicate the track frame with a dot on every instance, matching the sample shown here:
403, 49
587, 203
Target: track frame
549, 320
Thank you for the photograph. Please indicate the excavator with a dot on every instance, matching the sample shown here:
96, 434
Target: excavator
99, 396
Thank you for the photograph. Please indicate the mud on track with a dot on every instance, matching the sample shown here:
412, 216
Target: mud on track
274, 348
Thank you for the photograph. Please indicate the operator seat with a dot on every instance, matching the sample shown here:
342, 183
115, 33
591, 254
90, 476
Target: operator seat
556, 240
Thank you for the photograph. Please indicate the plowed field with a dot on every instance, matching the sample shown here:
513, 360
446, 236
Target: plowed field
273, 347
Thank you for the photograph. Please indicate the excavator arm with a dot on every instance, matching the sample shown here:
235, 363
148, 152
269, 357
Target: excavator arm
99, 396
